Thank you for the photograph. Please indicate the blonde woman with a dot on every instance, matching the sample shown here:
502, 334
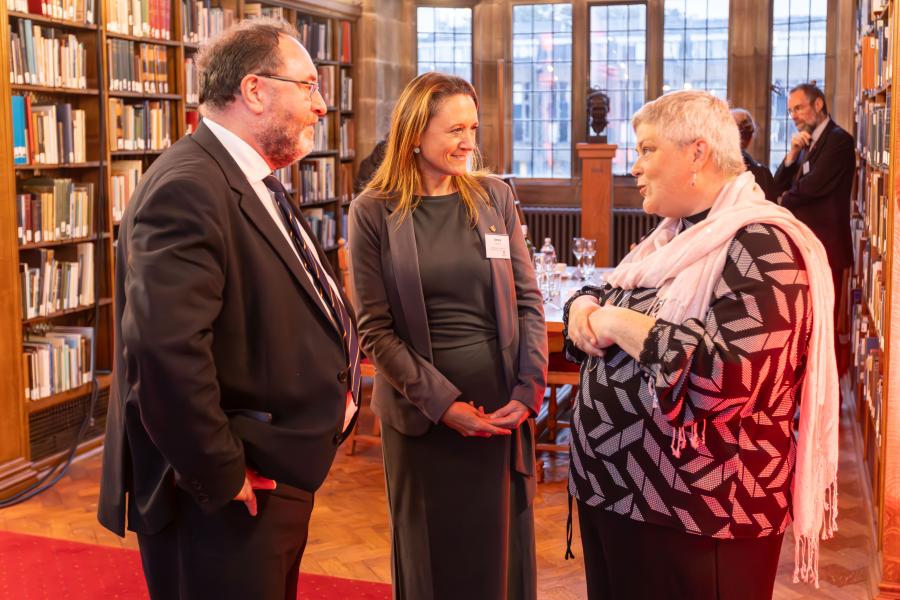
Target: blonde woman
450, 314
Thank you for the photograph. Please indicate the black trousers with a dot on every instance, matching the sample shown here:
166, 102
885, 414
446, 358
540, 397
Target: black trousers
629, 560
229, 554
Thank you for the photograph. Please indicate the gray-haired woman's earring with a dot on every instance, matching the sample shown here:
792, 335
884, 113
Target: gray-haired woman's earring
416, 150
693, 180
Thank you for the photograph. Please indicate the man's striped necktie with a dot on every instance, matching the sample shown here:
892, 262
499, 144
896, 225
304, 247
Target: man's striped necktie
336, 304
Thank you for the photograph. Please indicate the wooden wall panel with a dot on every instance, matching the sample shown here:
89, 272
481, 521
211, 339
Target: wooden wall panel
749, 67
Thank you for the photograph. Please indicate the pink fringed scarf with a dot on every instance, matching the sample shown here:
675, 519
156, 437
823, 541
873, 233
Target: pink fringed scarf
686, 274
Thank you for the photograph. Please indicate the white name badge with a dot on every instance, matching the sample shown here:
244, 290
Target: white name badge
497, 245
805, 168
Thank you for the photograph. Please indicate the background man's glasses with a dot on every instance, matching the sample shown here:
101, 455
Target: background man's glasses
798, 108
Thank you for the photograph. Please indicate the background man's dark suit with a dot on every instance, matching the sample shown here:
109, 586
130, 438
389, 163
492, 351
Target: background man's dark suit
821, 197
218, 327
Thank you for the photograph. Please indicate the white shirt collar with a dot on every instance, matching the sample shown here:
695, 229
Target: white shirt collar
817, 132
253, 165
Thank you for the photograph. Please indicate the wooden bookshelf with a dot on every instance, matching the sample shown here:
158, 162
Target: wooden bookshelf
52, 21
24, 450
38, 89
17, 412
103, 382
875, 328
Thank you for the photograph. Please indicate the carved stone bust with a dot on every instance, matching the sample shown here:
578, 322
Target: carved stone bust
597, 109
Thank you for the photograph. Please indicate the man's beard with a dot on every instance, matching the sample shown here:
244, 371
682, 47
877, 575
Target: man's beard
283, 145
810, 127
806, 127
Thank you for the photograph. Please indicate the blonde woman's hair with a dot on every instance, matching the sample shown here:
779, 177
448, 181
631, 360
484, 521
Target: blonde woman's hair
684, 116
398, 175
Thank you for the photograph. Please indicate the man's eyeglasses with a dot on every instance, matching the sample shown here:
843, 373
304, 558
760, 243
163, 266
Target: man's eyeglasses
313, 87
798, 108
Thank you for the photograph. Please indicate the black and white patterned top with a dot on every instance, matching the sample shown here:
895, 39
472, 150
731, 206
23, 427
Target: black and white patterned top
712, 451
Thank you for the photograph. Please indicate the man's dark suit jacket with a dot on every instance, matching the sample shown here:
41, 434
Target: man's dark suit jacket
821, 198
218, 327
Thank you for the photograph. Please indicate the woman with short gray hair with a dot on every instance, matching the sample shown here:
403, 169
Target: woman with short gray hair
694, 357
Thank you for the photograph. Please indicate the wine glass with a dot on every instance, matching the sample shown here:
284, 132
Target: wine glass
542, 266
578, 251
590, 251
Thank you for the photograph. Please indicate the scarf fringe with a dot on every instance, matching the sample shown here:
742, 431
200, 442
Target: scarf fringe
651, 385
679, 441
806, 560
698, 440
806, 547
680, 438
829, 527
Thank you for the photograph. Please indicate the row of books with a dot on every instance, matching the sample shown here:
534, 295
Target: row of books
284, 176
141, 18
124, 177
869, 278
874, 207
873, 131
47, 133
79, 11
57, 361
50, 210
255, 9
192, 120
323, 226
346, 90
56, 279
191, 81
869, 227
862, 257
138, 67
45, 56
873, 389
317, 179
140, 125
200, 21
348, 139
327, 80
345, 42
317, 36
322, 136
868, 361
875, 56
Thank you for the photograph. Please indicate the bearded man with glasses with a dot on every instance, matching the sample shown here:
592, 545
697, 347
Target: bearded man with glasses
237, 362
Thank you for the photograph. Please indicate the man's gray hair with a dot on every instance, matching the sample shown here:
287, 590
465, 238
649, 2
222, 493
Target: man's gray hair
250, 46
684, 116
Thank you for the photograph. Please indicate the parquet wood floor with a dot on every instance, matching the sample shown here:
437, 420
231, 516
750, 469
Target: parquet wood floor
350, 537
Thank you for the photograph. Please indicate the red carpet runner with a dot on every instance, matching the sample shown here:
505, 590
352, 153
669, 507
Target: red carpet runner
39, 568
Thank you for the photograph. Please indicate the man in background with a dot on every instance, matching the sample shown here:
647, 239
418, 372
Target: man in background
237, 365
814, 182
747, 128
